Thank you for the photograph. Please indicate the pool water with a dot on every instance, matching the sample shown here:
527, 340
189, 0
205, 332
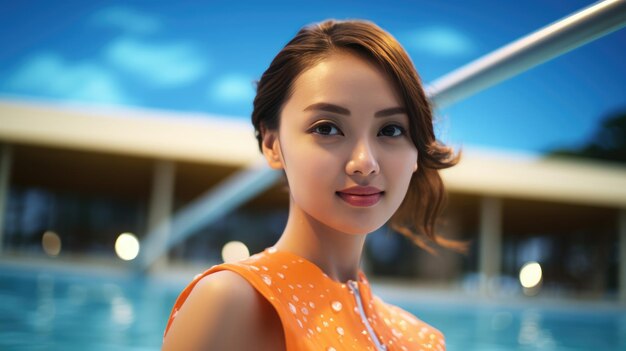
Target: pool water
54, 311
491, 328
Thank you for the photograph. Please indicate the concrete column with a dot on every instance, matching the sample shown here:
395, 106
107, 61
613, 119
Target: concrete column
490, 250
6, 157
621, 260
160, 208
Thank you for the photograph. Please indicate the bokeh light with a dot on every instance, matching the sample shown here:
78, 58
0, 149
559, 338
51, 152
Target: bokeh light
235, 251
530, 275
51, 243
127, 246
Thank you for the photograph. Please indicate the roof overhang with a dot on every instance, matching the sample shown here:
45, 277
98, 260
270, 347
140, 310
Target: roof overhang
138, 132
211, 139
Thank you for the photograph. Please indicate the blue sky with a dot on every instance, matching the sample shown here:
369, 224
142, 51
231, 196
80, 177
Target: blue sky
203, 56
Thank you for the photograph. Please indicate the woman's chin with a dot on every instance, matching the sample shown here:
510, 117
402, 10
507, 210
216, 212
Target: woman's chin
359, 229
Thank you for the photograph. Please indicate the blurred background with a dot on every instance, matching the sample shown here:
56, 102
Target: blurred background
128, 165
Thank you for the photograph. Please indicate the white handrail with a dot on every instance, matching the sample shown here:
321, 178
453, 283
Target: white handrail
545, 44
213, 205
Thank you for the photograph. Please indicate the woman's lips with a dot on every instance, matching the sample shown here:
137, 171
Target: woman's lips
360, 200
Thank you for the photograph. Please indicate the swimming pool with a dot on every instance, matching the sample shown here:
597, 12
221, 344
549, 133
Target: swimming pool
46, 310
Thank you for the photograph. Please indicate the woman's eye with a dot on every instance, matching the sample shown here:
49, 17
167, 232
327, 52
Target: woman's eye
326, 129
392, 130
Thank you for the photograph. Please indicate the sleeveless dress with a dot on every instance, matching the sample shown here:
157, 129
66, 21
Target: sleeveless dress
318, 313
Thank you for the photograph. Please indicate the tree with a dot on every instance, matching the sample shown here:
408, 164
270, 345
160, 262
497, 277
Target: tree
608, 142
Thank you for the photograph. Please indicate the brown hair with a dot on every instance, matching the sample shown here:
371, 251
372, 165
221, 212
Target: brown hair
425, 199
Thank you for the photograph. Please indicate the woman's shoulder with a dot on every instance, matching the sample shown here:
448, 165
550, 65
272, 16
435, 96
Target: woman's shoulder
226, 285
220, 305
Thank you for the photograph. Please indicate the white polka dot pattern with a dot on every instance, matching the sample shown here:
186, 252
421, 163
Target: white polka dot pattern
319, 313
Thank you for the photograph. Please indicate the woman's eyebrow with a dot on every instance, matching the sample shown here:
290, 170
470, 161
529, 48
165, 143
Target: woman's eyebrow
390, 112
324, 106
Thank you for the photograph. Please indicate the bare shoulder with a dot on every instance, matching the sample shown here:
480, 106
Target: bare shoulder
224, 312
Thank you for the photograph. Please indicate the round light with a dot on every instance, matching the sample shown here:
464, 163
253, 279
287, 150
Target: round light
127, 246
51, 243
530, 275
235, 251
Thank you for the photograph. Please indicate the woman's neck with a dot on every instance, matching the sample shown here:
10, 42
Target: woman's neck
337, 254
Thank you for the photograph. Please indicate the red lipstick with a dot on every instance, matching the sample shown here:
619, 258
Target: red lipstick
361, 196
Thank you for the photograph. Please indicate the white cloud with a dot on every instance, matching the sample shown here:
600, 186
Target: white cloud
439, 41
232, 88
127, 19
49, 74
162, 64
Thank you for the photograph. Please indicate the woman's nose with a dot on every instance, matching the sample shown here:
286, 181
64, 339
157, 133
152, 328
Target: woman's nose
362, 160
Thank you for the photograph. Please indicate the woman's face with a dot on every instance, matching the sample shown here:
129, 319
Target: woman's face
345, 126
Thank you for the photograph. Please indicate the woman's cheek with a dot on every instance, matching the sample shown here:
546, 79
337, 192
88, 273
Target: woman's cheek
311, 169
401, 168
319, 160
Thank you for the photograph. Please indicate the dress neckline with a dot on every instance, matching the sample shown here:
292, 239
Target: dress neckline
361, 275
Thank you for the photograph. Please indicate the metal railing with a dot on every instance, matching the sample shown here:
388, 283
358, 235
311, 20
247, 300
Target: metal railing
553, 40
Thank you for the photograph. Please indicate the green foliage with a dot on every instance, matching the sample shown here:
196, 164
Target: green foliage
608, 142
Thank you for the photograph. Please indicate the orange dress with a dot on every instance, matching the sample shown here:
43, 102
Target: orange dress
318, 313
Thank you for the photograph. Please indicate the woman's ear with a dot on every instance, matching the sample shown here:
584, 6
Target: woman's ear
271, 149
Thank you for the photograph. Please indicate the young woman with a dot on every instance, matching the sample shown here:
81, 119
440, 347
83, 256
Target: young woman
342, 112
